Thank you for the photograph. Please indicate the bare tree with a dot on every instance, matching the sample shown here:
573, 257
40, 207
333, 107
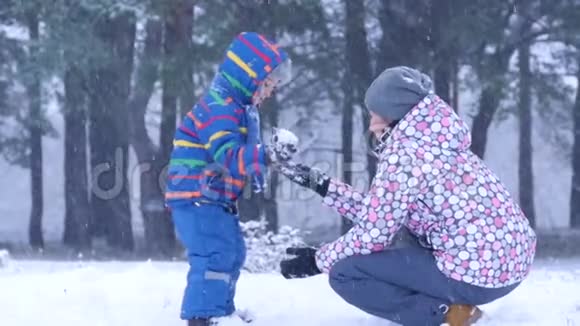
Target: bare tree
575, 197
525, 171
77, 206
356, 79
109, 87
35, 130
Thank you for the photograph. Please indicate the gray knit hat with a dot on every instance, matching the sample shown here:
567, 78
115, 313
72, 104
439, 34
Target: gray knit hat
396, 91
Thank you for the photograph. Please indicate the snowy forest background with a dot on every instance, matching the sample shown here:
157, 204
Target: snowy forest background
91, 91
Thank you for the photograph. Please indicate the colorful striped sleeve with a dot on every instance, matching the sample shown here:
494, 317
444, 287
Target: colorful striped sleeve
220, 130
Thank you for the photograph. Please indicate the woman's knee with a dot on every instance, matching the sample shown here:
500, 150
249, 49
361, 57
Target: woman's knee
345, 279
372, 296
338, 276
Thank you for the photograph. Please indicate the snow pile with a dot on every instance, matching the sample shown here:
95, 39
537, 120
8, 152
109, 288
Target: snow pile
4, 258
266, 249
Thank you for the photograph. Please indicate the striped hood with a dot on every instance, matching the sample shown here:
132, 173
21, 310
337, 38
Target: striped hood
248, 61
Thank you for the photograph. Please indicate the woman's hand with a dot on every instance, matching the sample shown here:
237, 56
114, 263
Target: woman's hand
303, 265
306, 176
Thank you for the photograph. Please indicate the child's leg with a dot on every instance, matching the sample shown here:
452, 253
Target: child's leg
211, 237
404, 286
240, 260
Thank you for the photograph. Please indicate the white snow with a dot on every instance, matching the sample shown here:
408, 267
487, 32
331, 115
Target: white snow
149, 293
4, 258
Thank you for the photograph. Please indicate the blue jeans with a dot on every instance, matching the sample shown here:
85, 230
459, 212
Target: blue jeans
404, 285
216, 252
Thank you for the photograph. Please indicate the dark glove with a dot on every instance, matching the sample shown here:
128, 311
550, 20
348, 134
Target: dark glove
303, 265
306, 177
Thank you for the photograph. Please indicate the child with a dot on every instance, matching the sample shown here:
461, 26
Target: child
216, 149
474, 244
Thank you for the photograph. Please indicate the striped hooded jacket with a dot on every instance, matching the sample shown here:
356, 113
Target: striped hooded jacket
217, 146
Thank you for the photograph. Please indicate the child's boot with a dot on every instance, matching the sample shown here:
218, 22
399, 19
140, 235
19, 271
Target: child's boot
200, 322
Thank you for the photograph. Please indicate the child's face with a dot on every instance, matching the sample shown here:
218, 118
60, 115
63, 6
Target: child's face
265, 91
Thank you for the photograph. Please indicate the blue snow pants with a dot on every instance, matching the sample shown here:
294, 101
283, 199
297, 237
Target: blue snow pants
404, 285
216, 253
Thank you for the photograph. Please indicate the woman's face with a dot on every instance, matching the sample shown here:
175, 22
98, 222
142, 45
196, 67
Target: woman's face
377, 124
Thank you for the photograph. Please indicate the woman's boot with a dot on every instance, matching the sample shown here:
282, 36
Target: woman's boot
462, 315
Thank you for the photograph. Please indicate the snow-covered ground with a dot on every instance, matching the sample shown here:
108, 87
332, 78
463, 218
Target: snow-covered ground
121, 294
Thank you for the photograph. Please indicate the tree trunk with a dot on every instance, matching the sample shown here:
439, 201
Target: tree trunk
442, 81
159, 237
390, 53
492, 76
442, 51
169, 82
488, 102
455, 91
35, 236
99, 159
147, 73
186, 56
491, 73
359, 61
526, 173
176, 72
356, 80
575, 198
269, 198
346, 127
109, 137
77, 207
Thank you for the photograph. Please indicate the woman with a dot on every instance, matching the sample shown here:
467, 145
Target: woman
476, 245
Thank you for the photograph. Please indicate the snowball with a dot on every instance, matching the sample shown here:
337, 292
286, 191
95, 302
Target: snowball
285, 136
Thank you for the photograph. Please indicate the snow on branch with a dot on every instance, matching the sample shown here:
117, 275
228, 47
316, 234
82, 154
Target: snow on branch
265, 249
